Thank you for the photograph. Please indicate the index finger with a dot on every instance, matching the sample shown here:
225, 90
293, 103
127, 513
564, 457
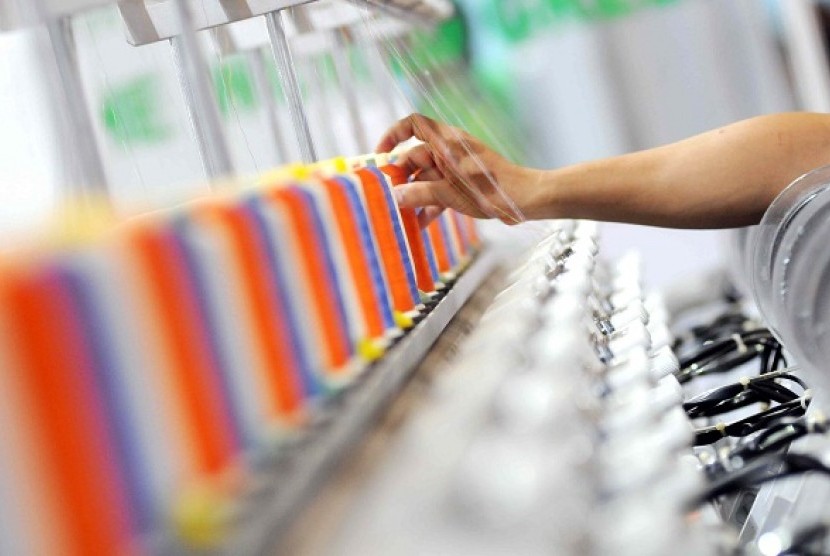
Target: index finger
416, 160
414, 125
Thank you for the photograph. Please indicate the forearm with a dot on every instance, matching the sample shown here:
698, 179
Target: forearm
723, 178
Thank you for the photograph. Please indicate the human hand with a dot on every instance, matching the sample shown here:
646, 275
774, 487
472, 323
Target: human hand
453, 169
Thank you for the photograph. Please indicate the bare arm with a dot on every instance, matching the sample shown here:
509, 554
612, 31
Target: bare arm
722, 178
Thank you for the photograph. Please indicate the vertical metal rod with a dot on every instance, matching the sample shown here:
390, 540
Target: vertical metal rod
344, 78
259, 68
291, 85
91, 178
201, 104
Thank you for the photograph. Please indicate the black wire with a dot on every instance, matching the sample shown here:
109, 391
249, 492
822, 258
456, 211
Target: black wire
779, 360
729, 353
724, 325
761, 471
762, 389
766, 357
752, 424
726, 364
773, 358
778, 436
725, 345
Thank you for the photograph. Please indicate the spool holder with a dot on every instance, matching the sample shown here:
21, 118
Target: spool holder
178, 22
149, 23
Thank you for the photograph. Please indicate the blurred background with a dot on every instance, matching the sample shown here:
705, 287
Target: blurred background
572, 80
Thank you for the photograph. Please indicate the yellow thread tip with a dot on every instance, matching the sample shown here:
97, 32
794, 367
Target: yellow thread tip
76, 224
299, 172
341, 166
201, 516
371, 350
403, 321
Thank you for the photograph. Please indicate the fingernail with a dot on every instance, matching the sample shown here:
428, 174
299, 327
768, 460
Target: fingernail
399, 196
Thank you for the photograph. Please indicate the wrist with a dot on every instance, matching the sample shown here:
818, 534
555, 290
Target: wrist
539, 200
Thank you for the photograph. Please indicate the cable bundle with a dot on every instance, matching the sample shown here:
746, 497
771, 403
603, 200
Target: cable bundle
730, 352
146, 375
752, 424
748, 391
719, 356
755, 448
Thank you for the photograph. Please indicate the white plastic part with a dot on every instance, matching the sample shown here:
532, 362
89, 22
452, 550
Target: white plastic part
631, 262
621, 299
566, 311
634, 370
500, 481
639, 406
633, 336
624, 281
661, 336
563, 351
535, 403
581, 261
667, 395
627, 412
586, 229
567, 228
634, 312
655, 304
664, 363
667, 437
574, 283
586, 245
